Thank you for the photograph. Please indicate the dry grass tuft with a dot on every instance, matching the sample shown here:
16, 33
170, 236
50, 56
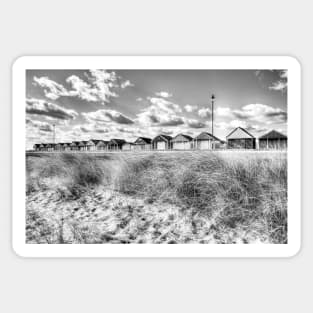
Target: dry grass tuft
163, 197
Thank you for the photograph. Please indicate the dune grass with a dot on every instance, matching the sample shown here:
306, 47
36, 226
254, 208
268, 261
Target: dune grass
231, 192
68, 173
236, 193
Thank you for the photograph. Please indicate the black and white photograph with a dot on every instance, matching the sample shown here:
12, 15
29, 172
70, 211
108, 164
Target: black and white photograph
184, 153
156, 156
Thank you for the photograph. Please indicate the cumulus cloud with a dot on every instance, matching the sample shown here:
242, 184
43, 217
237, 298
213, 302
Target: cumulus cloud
192, 123
223, 111
44, 108
96, 86
42, 126
52, 89
255, 112
126, 83
93, 128
163, 94
204, 113
275, 79
108, 116
239, 123
261, 113
279, 85
190, 108
161, 112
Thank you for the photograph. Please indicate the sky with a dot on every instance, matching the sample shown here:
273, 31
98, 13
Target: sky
104, 104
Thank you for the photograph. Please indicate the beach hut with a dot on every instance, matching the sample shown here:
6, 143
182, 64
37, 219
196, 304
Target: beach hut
91, 144
66, 146
42, 147
127, 146
102, 145
162, 142
75, 145
50, 147
142, 143
82, 146
273, 140
116, 144
240, 138
36, 147
59, 147
206, 141
182, 142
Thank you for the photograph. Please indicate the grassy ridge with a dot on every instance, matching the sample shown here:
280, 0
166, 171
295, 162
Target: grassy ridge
234, 191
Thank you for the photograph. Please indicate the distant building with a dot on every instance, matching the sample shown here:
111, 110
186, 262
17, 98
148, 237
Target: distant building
66, 146
92, 144
102, 145
273, 140
42, 147
142, 143
75, 145
240, 138
162, 142
36, 147
59, 147
127, 146
182, 142
82, 146
50, 147
206, 141
116, 144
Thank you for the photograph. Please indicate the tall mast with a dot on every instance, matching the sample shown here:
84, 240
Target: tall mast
212, 116
54, 133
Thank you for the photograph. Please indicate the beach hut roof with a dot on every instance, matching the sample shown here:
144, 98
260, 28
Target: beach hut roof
75, 143
181, 137
239, 133
143, 140
162, 137
93, 141
207, 136
102, 142
273, 134
117, 141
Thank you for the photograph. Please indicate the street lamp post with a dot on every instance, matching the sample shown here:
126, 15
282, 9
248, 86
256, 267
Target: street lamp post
212, 122
54, 133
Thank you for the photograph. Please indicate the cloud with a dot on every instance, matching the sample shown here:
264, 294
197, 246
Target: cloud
44, 108
42, 126
276, 80
223, 111
190, 108
261, 113
257, 112
279, 85
163, 94
97, 86
204, 113
52, 89
239, 123
126, 83
139, 99
161, 112
192, 123
93, 128
108, 116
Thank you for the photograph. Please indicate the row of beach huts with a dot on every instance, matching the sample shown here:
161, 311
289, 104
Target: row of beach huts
239, 138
